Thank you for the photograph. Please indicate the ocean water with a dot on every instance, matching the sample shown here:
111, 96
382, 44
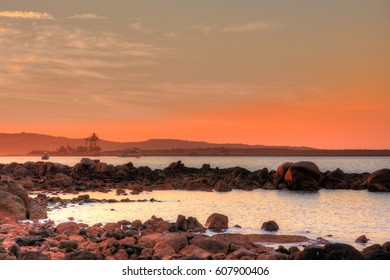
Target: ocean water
347, 164
344, 214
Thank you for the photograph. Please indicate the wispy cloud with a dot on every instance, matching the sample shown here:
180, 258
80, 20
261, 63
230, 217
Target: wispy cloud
25, 15
3, 30
87, 16
251, 26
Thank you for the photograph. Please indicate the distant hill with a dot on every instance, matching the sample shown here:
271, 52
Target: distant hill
23, 143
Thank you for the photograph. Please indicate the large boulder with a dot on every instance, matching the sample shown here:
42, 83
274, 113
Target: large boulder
379, 181
303, 176
217, 222
190, 224
12, 207
15, 204
281, 172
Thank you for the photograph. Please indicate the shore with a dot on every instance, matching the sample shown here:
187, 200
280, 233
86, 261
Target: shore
187, 238
156, 239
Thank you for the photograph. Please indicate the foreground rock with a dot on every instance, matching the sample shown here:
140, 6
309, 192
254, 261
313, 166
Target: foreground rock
217, 222
15, 204
157, 239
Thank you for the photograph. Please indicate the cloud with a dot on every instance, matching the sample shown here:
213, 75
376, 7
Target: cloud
25, 15
251, 27
3, 30
86, 16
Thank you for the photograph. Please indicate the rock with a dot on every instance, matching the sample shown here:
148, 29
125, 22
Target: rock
311, 253
190, 224
303, 176
270, 226
12, 207
68, 227
362, 239
281, 172
379, 181
217, 222
69, 245
194, 251
386, 246
221, 186
61, 180
210, 244
82, 255
83, 197
29, 255
29, 241
175, 166
16, 189
339, 251
120, 191
242, 254
37, 212
21, 172
378, 255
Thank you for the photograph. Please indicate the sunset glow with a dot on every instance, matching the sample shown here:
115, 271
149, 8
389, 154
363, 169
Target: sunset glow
254, 72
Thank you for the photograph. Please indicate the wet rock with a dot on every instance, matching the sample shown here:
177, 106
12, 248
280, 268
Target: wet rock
217, 222
303, 176
270, 226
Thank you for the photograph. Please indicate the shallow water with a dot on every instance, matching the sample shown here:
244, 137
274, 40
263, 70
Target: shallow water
348, 164
344, 214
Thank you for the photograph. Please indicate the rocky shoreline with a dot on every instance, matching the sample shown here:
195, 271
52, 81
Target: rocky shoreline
155, 238
93, 175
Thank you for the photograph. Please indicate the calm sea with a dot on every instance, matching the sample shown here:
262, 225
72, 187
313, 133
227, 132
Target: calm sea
344, 214
347, 164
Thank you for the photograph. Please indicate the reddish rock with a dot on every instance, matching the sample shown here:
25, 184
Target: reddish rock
210, 244
12, 207
217, 222
242, 254
69, 227
191, 251
111, 226
281, 172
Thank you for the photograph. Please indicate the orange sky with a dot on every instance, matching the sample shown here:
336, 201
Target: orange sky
304, 74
